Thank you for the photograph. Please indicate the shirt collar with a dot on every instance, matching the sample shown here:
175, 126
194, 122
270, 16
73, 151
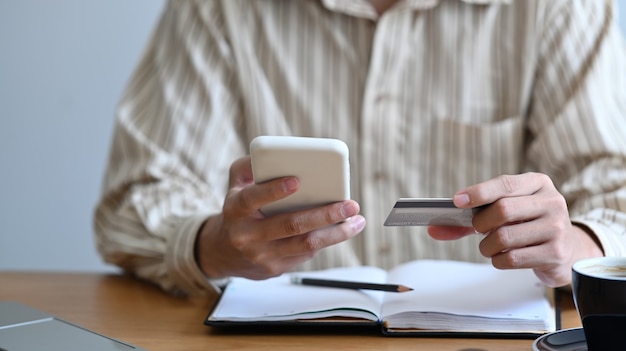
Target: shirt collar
363, 8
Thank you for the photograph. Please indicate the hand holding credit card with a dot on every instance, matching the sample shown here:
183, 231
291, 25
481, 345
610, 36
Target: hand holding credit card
429, 211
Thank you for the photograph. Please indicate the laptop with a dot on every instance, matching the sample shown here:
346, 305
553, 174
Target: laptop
23, 328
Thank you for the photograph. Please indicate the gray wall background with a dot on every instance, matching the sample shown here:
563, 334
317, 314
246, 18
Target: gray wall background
63, 66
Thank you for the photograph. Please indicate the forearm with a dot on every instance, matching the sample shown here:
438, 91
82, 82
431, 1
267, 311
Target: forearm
163, 255
151, 209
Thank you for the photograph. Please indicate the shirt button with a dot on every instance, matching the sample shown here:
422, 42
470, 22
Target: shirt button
380, 176
384, 249
382, 98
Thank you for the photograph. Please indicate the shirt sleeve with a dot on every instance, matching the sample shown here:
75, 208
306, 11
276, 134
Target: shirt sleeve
165, 175
577, 118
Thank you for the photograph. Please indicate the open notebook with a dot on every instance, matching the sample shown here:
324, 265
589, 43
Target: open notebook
449, 298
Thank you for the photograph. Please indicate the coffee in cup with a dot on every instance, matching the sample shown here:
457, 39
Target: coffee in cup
599, 289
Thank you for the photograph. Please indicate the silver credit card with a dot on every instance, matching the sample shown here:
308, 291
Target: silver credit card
429, 211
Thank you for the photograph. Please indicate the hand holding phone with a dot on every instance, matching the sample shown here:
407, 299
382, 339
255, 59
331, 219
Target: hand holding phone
321, 165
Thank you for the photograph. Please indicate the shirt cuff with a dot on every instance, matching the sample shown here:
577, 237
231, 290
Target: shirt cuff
181, 263
609, 241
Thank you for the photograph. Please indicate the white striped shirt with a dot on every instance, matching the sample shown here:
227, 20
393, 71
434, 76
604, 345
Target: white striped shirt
432, 96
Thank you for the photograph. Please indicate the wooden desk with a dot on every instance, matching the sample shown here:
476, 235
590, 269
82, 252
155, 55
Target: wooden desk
136, 312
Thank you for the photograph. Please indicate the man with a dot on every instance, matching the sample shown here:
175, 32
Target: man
518, 105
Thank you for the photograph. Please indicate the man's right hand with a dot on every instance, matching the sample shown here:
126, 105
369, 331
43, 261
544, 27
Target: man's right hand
240, 241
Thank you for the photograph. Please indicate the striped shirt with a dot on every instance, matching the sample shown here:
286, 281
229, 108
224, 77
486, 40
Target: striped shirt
432, 96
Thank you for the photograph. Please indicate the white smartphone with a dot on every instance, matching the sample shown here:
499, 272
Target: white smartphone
321, 164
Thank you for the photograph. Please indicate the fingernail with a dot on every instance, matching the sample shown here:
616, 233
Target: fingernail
349, 210
290, 184
358, 223
461, 199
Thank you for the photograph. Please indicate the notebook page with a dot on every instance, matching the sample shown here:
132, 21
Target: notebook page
278, 299
468, 289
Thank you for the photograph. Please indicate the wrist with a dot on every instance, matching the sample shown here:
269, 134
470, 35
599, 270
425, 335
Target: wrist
590, 243
204, 249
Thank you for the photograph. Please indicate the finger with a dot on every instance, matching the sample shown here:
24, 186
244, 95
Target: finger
515, 259
500, 187
300, 222
307, 245
449, 233
535, 257
240, 173
511, 237
249, 199
508, 210
547, 206
282, 255
538, 258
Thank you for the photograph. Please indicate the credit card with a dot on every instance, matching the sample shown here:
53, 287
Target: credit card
429, 211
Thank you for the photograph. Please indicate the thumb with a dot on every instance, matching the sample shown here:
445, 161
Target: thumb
448, 232
240, 174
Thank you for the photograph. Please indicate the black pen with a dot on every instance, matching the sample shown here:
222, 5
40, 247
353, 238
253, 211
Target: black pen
349, 284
